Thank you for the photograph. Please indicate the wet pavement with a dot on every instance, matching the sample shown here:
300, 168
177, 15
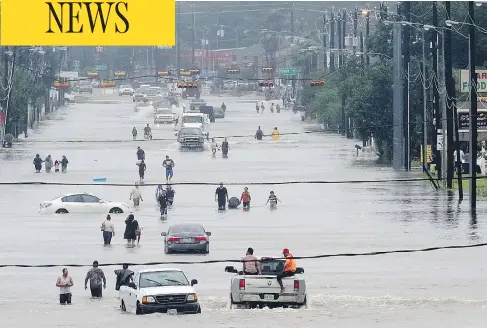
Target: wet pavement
444, 288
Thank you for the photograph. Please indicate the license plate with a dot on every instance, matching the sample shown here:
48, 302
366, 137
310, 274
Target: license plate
187, 240
268, 297
172, 311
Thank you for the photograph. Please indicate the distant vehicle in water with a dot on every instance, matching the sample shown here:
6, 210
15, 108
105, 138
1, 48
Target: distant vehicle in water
191, 138
186, 237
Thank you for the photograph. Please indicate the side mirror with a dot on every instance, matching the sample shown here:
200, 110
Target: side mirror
132, 285
163, 234
208, 233
194, 282
299, 270
176, 134
229, 269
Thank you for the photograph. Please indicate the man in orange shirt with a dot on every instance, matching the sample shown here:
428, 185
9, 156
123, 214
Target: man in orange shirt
289, 268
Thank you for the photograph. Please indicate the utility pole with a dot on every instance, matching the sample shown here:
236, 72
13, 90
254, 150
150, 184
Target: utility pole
473, 108
425, 107
436, 93
362, 57
355, 21
325, 36
367, 33
406, 103
449, 100
339, 36
344, 116
332, 42
178, 50
194, 35
398, 118
292, 24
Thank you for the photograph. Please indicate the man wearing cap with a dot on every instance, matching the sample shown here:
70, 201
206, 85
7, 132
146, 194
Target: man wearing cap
289, 267
251, 264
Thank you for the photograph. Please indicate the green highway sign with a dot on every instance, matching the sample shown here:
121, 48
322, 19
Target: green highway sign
101, 67
288, 71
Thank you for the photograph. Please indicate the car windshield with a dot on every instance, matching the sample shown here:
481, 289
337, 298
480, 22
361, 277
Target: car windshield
190, 131
162, 279
164, 111
152, 92
192, 119
186, 229
272, 266
125, 87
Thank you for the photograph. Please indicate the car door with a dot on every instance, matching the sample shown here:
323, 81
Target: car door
74, 204
92, 203
132, 294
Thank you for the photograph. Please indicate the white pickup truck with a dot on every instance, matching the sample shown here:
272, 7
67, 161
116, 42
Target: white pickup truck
160, 290
258, 291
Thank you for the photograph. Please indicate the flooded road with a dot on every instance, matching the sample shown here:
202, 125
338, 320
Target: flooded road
444, 288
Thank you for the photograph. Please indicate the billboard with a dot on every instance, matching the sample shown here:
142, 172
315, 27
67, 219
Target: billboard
481, 80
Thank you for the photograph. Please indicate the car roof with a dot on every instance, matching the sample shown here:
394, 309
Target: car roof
77, 193
193, 114
186, 225
158, 269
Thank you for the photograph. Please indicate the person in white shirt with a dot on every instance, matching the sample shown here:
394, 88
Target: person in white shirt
64, 283
214, 146
108, 230
136, 195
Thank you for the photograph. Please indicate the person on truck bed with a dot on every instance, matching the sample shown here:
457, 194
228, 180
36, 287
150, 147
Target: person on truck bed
251, 264
289, 268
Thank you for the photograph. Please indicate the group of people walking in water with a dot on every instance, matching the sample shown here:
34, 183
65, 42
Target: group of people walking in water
261, 108
97, 282
131, 234
49, 164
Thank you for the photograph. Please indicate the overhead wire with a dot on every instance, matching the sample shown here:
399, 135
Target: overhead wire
310, 257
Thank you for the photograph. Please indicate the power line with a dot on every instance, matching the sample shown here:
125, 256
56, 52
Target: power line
270, 183
312, 257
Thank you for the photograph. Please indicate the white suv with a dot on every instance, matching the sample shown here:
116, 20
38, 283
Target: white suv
160, 290
126, 90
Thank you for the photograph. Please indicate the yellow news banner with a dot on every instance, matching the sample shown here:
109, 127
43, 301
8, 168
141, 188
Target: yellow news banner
76, 23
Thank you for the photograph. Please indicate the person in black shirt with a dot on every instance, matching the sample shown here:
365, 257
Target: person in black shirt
140, 154
221, 196
259, 134
142, 168
162, 200
225, 148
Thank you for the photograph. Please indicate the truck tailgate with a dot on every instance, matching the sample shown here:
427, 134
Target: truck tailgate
267, 284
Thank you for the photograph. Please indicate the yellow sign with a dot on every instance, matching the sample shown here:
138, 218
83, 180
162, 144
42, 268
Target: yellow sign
92, 73
88, 23
119, 74
429, 154
108, 84
185, 73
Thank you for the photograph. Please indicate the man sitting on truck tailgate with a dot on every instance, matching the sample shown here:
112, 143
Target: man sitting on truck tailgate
251, 265
289, 268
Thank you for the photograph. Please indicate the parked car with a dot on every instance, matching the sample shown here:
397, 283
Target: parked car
82, 203
126, 90
252, 291
160, 290
186, 237
85, 86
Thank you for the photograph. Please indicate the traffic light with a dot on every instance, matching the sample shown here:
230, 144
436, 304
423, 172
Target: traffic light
233, 71
267, 69
317, 83
266, 83
187, 85
163, 73
194, 71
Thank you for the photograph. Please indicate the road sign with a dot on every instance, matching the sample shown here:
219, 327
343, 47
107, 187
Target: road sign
101, 67
464, 120
68, 75
288, 71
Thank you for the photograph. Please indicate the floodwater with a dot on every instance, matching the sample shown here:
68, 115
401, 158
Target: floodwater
444, 288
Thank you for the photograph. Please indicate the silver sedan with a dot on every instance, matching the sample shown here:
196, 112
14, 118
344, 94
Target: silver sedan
186, 238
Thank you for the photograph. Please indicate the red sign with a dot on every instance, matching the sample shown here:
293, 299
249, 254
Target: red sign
2, 118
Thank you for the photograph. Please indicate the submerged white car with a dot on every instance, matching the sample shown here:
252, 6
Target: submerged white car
82, 203
161, 290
